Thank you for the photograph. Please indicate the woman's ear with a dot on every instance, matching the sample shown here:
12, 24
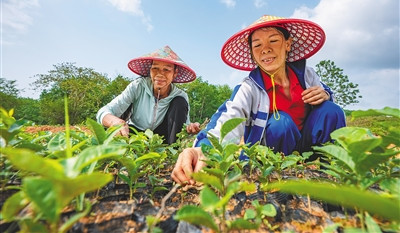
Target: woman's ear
289, 44
176, 72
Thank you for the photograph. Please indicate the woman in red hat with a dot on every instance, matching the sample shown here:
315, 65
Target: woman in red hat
284, 102
152, 100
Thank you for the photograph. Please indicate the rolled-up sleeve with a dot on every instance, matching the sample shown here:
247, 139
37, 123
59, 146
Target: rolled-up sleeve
119, 104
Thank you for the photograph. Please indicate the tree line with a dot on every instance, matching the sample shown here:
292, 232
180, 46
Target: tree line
88, 90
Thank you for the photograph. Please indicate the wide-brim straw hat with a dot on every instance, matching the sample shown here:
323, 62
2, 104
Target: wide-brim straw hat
308, 38
141, 65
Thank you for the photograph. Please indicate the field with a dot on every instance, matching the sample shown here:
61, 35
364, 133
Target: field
84, 179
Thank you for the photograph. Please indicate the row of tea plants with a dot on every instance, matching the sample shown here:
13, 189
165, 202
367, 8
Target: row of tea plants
49, 172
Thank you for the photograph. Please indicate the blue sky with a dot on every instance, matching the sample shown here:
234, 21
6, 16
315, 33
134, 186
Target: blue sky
362, 37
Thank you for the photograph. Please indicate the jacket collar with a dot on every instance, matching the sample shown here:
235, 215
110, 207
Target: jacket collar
298, 68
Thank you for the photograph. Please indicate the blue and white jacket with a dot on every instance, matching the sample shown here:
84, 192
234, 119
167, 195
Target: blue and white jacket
250, 100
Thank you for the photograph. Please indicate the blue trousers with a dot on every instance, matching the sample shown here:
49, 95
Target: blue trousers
283, 135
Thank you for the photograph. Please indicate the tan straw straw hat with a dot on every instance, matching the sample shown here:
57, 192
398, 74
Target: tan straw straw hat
308, 38
141, 65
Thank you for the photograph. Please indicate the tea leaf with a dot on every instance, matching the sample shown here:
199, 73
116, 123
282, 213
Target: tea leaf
346, 196
74, 165
211, 180
339, 153
43, 194
98, 130
13, 205
27, 160
197, 216
241, 224
208, 199
372, 226
229, 125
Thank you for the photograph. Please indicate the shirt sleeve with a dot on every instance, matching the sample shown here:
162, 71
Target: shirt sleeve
120, 103
238, 106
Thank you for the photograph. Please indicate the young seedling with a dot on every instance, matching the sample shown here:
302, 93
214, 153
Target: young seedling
222, 181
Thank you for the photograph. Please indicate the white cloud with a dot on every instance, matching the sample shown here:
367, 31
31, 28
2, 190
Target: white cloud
229, 3
134, 7
380, 89
359, 32
16, 17
362, 38
259, 3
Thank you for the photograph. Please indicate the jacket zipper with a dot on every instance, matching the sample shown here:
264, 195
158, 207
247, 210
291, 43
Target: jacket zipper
155, 110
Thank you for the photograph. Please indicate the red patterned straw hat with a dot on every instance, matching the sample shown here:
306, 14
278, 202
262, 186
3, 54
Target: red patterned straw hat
308, 38
141, 65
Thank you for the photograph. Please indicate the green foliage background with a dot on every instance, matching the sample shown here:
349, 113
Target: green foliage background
88, 91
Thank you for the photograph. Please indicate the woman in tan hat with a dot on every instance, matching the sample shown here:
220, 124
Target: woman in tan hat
284, 102
152, 100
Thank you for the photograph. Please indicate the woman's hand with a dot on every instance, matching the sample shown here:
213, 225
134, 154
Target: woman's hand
193, 128
111, 120
315, 95
189, 161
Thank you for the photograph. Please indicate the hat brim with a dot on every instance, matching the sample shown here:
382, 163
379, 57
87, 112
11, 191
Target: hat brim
308, 38
141, 66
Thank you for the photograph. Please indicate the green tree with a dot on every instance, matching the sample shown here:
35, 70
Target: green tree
204, 98
85, 88
346, 92
8, 94
115, 87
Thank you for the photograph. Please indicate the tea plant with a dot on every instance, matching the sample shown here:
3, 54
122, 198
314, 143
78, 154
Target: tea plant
363, 159
359, 160
50, 184
222, 179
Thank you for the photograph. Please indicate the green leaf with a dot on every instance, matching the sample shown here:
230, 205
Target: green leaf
268, 210
339, 153
150, 155
74, 165
29, 225
57, 143
347, 135
98, 130
208, 199
27, 160
211, 180
372, 226
241, 224
13, 205
363, 146
346, 196
215, 172
43, 194
372, 161
250, 214
197, 216
82, 184
229, 125
391, 185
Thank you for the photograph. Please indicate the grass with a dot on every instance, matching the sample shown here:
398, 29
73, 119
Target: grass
374, 123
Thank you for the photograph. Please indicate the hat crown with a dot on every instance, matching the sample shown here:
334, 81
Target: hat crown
266, 18
141, 65
165, 53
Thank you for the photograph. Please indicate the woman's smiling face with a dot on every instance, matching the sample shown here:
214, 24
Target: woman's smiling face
269, 48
